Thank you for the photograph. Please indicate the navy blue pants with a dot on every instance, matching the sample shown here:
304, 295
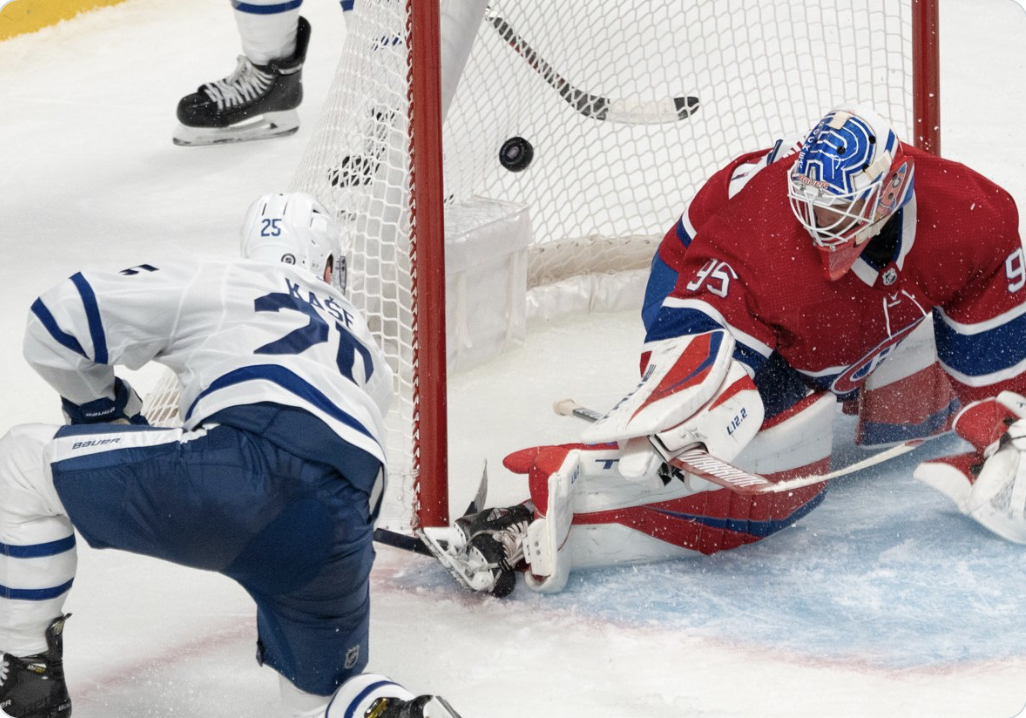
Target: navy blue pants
294, 533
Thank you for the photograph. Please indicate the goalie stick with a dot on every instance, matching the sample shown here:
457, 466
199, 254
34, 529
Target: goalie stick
705, 466
597, 107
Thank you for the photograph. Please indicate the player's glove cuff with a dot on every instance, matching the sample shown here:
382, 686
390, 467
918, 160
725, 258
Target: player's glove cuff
124, 408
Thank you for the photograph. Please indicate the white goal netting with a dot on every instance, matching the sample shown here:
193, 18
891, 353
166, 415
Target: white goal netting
587, 83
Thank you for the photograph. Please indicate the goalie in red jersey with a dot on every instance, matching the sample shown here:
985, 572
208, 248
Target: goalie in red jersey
782, 289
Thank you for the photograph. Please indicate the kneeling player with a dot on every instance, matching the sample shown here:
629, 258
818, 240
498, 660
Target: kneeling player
274, 480
822, 266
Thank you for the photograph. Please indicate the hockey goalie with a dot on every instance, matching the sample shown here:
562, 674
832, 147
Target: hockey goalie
845, 266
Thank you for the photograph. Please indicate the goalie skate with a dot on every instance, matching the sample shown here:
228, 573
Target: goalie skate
255, 102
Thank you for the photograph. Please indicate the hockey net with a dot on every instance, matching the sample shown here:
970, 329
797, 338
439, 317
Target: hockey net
603, 185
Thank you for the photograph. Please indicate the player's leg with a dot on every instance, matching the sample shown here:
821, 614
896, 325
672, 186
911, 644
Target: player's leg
259, 99
37, 566
590, 516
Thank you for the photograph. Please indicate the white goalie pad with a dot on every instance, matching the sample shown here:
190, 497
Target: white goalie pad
683, 374
545, 546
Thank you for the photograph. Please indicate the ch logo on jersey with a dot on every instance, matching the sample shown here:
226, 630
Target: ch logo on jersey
852, 377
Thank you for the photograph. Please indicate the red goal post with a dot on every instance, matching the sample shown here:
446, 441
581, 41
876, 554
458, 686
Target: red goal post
628, 107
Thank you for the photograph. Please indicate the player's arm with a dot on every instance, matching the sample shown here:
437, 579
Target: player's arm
710, 199
697, 367
979, 344
80, 329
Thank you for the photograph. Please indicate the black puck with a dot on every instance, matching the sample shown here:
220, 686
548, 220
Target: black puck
516, 154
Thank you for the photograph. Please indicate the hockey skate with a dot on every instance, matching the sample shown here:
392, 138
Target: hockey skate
33, 686
484, 549
419, 707
255, 102
493, 541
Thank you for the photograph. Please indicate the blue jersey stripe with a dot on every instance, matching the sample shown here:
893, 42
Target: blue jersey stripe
92, 311
982, 353
34, 594
290, 382
351, 708
59, 336
678, 321
51, 548
682, 233
266, 9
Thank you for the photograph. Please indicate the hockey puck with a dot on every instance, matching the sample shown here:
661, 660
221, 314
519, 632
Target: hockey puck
516, 154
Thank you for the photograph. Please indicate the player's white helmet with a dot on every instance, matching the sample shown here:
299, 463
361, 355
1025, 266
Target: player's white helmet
294, 228
850, 177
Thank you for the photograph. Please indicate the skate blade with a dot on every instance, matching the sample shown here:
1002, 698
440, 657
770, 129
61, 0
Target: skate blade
262, 127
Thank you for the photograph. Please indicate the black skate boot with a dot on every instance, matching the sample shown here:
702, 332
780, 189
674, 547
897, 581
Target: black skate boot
495, 537
255, 102
419, 707
33, 686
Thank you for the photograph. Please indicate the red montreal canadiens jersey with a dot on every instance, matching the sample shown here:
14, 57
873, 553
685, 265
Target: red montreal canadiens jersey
752, 268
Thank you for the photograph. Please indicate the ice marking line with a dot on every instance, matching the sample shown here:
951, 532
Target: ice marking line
131, 668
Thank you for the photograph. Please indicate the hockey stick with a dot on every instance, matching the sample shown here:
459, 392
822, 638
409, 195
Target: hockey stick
630, 112
705, 466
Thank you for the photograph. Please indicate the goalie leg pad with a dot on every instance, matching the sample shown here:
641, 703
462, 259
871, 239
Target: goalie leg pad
616, 521
545, 547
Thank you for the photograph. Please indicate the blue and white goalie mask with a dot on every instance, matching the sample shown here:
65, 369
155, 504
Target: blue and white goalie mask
850, 177
295, 228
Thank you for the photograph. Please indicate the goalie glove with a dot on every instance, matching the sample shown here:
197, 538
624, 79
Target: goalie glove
692, 394
987, 485
124, 408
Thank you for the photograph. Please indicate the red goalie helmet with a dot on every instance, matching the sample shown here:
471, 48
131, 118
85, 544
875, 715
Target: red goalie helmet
851, 176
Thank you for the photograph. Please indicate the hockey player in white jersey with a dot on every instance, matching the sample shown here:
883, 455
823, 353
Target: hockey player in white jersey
274, 480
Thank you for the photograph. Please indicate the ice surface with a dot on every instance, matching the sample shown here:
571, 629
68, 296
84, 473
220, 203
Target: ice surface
882, 602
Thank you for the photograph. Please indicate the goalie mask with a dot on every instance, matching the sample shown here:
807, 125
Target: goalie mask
294, 229
850, 177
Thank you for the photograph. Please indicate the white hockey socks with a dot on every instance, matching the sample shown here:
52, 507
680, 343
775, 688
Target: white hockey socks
38, 558
267, 29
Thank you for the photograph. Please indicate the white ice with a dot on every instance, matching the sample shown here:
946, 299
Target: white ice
882, 602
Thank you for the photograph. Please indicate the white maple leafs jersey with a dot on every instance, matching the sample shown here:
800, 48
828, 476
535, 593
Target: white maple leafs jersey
235, 332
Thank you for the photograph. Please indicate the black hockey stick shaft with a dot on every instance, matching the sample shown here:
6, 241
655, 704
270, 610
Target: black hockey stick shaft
594, 106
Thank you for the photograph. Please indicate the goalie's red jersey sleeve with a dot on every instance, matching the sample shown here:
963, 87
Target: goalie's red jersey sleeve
980, 322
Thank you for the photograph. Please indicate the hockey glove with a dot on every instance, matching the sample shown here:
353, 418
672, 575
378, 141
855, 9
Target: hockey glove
988, 484
692, 394
124, 408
